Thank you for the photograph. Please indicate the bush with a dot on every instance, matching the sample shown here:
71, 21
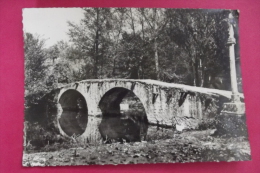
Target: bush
207, 124
231, 126
39, 136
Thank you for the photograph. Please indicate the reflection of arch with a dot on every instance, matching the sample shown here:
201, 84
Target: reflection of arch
74, 117
72, 100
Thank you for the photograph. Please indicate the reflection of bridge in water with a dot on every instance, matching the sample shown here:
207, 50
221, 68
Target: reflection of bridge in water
164, 103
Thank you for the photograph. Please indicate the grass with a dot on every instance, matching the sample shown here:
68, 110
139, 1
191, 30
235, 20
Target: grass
196, 146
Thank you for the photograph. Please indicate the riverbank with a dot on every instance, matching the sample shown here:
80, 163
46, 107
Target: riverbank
192, 146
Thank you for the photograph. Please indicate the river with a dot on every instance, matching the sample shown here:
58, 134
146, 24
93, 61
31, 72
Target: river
129, 126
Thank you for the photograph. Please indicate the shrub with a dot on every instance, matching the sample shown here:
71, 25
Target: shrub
207, 124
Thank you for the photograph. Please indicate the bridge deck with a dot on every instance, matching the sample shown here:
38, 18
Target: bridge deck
208, 91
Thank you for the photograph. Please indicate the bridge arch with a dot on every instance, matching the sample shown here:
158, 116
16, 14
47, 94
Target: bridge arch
74, 115
130, 124
109, 103
72, 100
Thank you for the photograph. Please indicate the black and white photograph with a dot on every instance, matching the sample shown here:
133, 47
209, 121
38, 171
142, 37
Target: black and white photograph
132, 86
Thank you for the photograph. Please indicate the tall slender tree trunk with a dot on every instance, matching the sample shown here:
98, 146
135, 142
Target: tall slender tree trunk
95, 72
142, 72
197, 83
156, 60
143, 32
201, 73
156, 47
101, 65
194, 74
132, 20
142, 23
114, 67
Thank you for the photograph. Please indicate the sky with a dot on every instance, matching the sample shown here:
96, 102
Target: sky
50, 23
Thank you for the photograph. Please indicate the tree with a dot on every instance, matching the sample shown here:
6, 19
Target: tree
90, 36
35, 66
133, 46
65, 65
201, 36
183, 46
155, 21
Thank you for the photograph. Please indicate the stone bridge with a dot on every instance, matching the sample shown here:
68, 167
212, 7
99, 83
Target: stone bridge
165, 104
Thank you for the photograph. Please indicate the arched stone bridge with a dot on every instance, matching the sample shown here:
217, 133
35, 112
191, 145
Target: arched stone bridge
164, 103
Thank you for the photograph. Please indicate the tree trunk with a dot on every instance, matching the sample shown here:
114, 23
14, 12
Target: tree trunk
114, 67
132, 20
197, 83
194, 74
95, 71
156, 60
142, 23
156, 47
201, 73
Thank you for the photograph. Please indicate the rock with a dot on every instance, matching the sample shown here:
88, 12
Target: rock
66, 160
212, 132
148, 156
38, 161
231, 159
75, 154
180, 127
27, 163
136, 155
93, 157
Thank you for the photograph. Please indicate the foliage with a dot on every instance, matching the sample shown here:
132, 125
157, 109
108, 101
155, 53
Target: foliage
201, 37
181, 46
205, 124
89, 38
35, 67
38, 136
194, 146
231, 126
